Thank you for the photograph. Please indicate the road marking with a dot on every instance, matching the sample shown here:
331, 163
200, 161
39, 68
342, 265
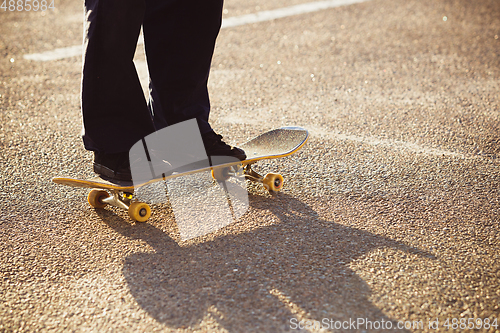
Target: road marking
61, 53
320, 132
393, 144
267, 15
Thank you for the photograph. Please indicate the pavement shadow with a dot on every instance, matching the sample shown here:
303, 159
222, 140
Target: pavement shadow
259, 280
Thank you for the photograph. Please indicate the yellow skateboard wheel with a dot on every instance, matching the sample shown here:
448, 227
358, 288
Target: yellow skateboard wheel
95, 198
273, 182
139, 211
221, 174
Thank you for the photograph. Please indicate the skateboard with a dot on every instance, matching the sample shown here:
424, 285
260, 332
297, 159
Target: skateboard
276, 143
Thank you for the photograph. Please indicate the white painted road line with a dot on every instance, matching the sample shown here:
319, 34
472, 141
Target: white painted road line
61, 53
267, 15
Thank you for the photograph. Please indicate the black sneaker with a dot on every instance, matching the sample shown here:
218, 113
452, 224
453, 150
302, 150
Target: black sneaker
117, 166
216, 147
113, 166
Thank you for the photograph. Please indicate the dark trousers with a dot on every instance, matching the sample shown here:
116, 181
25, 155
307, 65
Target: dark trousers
179, 40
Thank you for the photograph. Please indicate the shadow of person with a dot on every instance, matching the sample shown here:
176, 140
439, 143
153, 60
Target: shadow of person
269, 279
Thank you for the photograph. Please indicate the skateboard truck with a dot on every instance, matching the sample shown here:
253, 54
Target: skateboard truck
137, 211
273, 182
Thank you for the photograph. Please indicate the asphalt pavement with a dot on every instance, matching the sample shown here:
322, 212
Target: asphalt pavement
389, 218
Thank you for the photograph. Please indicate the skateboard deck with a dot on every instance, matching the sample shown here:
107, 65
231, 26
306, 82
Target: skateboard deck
273, 144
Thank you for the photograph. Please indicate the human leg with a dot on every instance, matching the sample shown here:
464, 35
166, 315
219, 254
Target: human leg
180, 38
114, 109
